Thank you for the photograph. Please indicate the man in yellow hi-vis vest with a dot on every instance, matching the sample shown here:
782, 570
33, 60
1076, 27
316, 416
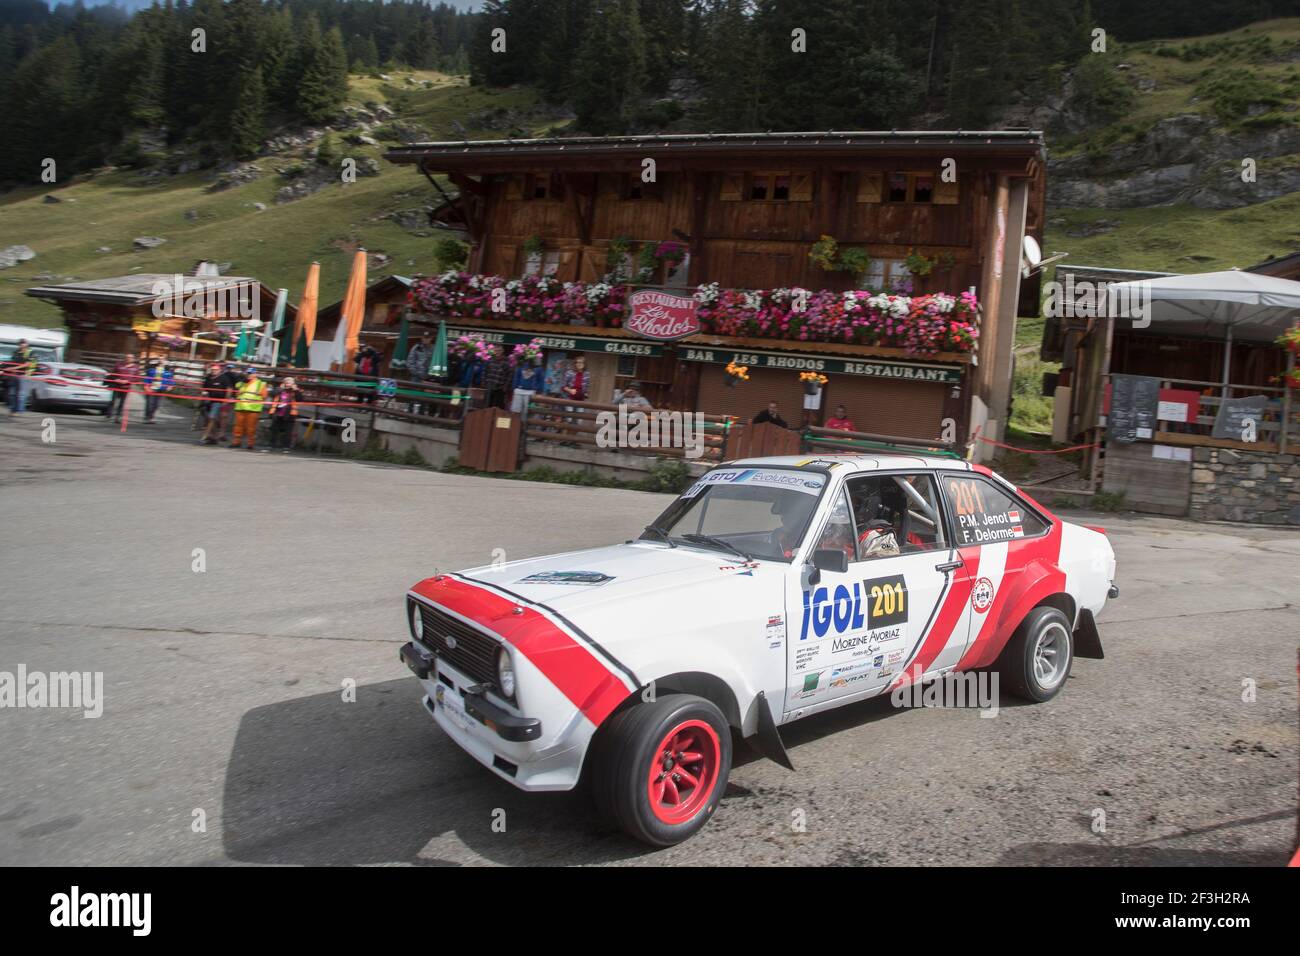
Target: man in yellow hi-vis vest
249, 396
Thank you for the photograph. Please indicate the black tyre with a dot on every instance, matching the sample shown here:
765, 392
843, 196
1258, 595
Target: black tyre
1037, 660
659, 769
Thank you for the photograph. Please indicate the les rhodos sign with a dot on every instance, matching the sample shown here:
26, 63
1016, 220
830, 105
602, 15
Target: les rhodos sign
657, 314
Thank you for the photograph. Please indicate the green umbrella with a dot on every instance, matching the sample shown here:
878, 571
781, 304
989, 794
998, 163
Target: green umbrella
438, 364
245, 345
300, 356
399, 351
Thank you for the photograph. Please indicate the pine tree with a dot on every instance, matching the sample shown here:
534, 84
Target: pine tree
323, 77
610, 71
248, 118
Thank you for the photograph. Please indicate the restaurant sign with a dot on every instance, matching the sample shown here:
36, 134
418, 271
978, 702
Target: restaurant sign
566, 343
661, 314
870, 368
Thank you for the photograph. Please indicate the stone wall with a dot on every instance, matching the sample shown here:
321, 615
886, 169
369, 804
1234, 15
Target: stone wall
1230, 485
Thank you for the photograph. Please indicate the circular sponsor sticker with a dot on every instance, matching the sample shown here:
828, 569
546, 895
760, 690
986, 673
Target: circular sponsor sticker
981, 596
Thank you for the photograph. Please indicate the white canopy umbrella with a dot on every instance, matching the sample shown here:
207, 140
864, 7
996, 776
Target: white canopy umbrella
1245, 306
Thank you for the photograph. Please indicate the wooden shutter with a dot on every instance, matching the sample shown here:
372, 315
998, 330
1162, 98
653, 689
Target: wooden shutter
733, 187
871, 187
945, 194
801, 187
568, 269
592, 264
515, 187
505, 260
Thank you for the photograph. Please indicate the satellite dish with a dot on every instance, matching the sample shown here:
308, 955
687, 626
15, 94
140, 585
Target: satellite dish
1031, 253
1031, 257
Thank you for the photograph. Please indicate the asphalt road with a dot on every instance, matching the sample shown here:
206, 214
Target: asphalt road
224, 689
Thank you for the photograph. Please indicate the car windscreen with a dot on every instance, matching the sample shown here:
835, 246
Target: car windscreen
758, 512
83, 374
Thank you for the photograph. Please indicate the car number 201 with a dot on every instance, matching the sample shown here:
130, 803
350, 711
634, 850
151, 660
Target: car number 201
887, 601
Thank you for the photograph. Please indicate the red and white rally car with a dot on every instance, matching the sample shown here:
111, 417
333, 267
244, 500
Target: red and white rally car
771, 589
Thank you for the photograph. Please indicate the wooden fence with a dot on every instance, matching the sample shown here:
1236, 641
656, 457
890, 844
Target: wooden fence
588, 424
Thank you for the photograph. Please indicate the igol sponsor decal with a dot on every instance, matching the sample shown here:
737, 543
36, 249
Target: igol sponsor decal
885, 605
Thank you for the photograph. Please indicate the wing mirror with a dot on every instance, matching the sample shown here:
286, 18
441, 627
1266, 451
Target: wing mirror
828, 559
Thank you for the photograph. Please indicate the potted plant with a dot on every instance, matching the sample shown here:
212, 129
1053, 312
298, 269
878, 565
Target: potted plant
736, 373
1290, 339
812, 382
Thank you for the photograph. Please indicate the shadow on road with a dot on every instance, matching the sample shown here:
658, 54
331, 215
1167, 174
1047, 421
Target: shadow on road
316, 781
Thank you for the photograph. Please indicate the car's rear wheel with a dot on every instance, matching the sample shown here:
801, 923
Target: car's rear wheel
1038, 658
661, 767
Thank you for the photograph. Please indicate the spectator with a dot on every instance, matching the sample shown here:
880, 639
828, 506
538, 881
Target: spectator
577, 381
121, 379
367, 361
284, 412
840, 420
249, 395
529, 380
158, 378
496, 378
208, 391
471, 373
632, 397
771, 415
418, 359
22, 365
555, 373
222, 411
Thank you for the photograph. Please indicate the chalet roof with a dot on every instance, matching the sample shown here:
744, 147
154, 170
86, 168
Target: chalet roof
327, 319
1282, 265
131, 290
830, 141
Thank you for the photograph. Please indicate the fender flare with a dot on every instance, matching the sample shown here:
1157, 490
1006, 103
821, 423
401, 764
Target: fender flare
1037, 582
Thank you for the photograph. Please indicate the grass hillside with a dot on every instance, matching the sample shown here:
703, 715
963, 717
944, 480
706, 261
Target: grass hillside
275, 245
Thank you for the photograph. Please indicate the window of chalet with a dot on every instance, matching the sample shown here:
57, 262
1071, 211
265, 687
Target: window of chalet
675, 278
887, 275
769, 187
919, 188
636, 189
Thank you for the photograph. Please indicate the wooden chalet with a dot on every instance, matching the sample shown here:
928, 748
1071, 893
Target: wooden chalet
140, 313
749, 208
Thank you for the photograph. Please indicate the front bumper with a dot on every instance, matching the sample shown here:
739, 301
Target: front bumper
421, 662
506, 744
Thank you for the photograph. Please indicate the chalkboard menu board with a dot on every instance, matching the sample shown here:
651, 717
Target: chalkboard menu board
1239, 418
1134, 408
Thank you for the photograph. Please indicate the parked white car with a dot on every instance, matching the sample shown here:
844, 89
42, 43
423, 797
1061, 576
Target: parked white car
770, 590
69, 385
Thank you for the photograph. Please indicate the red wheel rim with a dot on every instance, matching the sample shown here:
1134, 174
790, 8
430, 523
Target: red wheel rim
684, 771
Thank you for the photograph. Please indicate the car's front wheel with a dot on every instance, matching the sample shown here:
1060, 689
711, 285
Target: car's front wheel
661, 768
1038, 657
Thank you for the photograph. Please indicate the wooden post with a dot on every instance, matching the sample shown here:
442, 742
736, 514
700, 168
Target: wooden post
1286, 403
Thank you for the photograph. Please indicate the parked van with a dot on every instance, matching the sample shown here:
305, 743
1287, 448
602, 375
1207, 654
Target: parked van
48, 344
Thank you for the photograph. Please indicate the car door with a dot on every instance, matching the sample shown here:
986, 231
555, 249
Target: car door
995, 532
852, 633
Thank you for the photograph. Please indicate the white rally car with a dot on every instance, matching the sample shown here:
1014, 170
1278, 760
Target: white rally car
770, 590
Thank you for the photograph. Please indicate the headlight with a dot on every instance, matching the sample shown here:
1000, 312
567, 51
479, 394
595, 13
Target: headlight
505, 674
417, 621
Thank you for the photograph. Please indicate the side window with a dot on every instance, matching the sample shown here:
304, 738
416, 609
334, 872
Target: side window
837, 533
983, 513
895, 514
